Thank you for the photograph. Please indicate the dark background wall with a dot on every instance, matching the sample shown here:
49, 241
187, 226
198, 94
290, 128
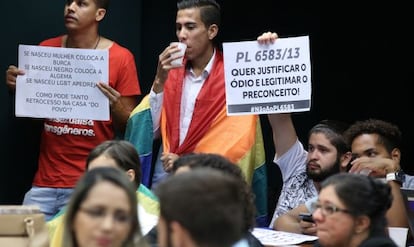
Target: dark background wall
361, 58
361, 62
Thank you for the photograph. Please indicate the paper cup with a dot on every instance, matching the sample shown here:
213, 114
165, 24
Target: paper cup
398, 235
179, 55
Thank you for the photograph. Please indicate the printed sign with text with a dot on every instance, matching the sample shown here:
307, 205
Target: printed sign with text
268, 78
61, 83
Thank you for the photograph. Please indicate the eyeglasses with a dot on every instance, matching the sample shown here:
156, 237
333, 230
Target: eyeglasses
327, 209
120, 217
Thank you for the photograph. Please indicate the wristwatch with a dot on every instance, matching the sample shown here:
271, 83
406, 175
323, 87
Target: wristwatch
397, 176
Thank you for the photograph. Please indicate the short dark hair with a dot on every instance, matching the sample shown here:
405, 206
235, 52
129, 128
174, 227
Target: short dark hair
388, 133
104, 4
210, 13
221, 163
209, 10
124, 154
333, 130
194, 160
207, 203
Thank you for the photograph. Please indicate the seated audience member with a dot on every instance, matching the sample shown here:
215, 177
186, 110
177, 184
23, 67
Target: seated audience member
202, 207
375, 144
302, 170
350, 211
190, 161
375, 147
102, 211
120, 154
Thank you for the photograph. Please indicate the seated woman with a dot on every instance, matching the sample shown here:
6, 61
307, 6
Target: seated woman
121, 154
350, 211
102, 211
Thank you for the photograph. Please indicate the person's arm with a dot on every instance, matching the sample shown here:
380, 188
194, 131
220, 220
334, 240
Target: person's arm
11, 75
396, 214
157, 89
291, 222
164, 66
121, 106
156, 106
121, 111
284, 133
379, 167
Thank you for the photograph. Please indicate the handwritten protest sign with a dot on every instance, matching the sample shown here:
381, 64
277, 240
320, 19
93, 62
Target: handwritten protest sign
271, 78
61, 83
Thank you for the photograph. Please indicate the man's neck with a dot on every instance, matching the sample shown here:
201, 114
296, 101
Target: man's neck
198, 65
86, 41
317, 186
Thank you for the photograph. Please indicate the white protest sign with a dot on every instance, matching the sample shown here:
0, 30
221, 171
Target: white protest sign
61, 83
267, 78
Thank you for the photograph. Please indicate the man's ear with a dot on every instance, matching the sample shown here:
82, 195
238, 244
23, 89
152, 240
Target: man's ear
344, 160
131, 175
212, 31
396, 155
100, 14
180, 236
362, 224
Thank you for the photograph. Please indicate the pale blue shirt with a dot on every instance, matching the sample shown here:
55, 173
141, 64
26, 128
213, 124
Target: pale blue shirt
408, 182
241, 243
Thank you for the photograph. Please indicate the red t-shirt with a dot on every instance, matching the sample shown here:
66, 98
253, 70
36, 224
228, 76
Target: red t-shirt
66, 143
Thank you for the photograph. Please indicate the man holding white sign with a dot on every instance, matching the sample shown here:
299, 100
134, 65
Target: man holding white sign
303, 169
65, 143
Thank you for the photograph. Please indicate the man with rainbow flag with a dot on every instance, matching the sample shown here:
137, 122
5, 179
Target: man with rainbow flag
188, 107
